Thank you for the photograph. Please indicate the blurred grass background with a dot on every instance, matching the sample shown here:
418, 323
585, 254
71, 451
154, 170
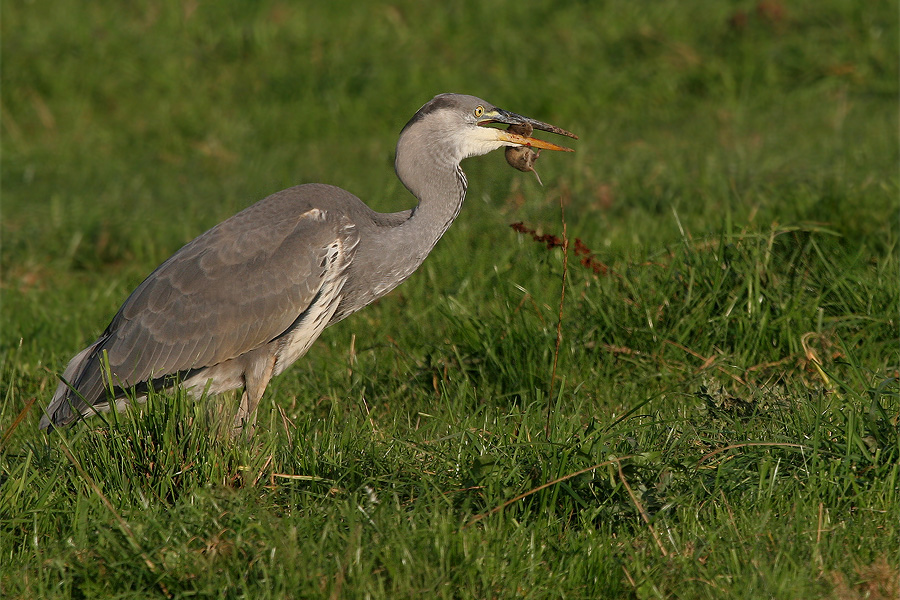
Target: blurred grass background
737, 172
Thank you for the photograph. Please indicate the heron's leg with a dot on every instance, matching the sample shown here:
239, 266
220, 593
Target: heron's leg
256, 377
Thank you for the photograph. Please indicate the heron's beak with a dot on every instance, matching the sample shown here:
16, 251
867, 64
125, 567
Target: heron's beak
498, 115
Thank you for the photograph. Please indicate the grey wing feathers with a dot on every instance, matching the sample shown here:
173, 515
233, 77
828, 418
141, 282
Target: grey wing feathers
231, 290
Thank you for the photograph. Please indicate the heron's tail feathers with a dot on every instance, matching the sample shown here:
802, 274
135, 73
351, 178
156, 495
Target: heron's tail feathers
80, 388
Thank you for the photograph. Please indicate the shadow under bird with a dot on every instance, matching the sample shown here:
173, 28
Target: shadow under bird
243, 301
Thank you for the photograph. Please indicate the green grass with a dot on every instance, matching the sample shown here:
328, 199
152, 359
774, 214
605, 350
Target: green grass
726, 402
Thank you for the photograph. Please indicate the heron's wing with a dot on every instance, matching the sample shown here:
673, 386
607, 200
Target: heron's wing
231, 290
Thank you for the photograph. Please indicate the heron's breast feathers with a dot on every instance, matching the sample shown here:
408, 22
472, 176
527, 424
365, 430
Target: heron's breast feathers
335, 262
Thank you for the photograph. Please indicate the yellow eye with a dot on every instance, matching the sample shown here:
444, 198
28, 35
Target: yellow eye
479, 110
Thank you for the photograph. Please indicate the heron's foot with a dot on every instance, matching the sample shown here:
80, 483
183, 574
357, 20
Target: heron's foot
243, 431
244, 425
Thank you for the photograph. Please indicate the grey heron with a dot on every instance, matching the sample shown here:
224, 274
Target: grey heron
243, 301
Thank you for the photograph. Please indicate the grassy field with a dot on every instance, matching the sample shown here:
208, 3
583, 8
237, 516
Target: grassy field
723, 421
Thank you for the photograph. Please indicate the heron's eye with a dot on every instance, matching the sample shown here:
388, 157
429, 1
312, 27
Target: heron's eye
479, 110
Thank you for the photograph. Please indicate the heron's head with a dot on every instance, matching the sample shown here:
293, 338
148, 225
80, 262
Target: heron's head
458, 126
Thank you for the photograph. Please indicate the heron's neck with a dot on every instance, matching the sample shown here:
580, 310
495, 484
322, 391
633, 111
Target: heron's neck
395, 249
440, 188
440, 193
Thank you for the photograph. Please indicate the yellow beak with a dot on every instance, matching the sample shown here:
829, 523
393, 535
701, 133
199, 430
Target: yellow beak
521, 140
498, 115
